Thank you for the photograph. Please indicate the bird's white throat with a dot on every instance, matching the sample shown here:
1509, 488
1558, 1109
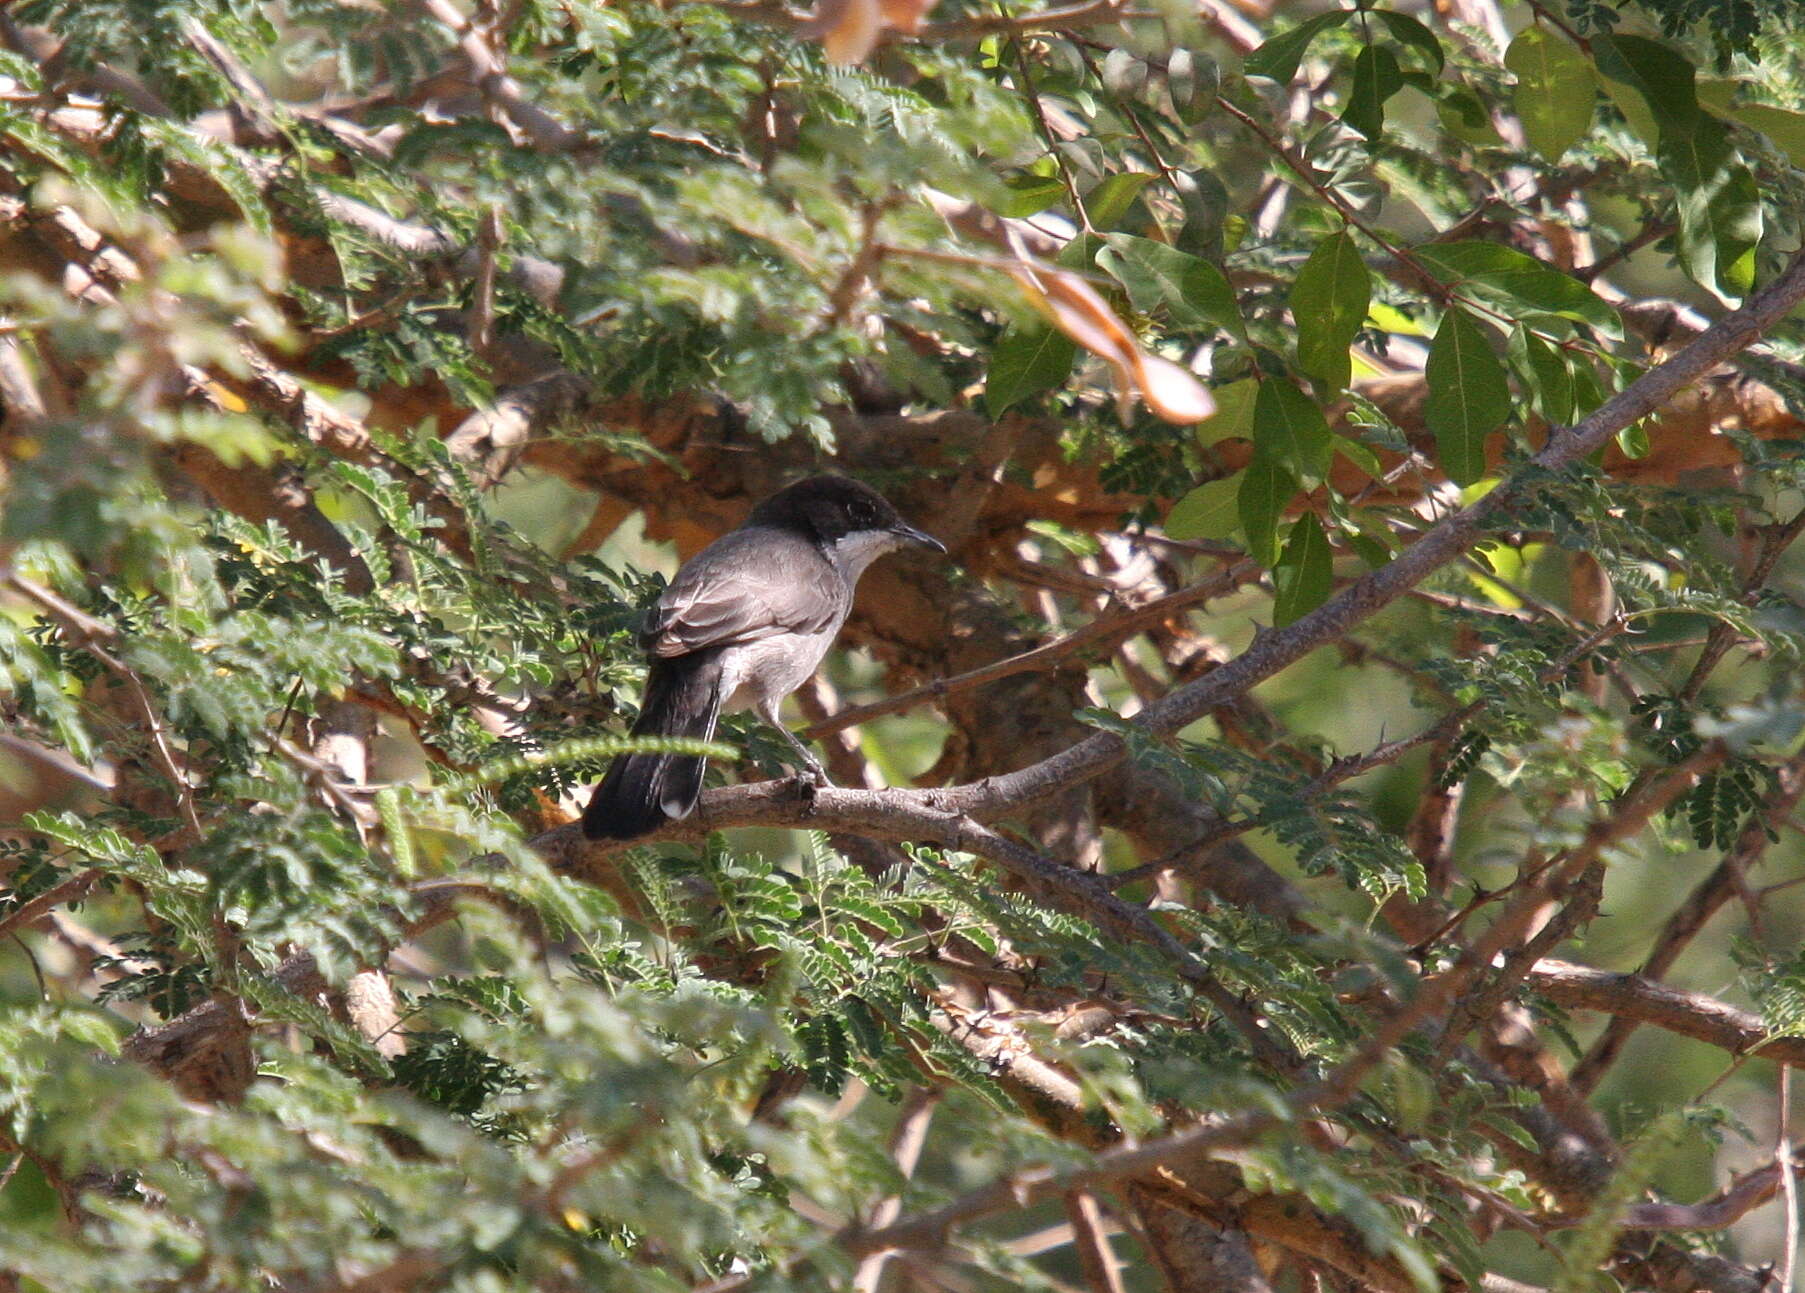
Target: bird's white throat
853, 552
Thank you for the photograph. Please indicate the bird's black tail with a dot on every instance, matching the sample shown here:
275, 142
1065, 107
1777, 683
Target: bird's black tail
642, 791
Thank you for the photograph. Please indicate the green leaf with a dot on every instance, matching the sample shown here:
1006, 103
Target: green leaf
1081, 252
1205, 200
1289, 430
1545, 374
1468, 395
1555, 93
1376, 79
1193, 80
1587, 393
223, 163
1719, 207
1370, 550
1305, 572
1409, 31
1211, 511
1109, 201
1278, 58
1785, 128
1462, 1249
1234, 413
1635, 111
1124, 74
1025, 362
1328, 302
1518, 284
1633, 439
1358, 454
101, 844
1265, 489
1664, 79
33, 138
1028, 195
91, 1028
1193, 291
1464, 117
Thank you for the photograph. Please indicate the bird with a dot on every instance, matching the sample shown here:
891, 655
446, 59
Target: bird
746, 621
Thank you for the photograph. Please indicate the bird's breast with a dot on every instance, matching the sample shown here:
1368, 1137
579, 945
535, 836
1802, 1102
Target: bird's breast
771, 668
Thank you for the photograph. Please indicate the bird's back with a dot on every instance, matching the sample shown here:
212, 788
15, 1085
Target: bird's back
752, 583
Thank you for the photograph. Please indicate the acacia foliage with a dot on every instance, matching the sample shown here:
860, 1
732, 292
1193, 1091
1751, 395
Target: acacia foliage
291, 289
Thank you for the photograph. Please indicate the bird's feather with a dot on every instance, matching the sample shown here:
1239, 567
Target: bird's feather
682, 698
749, 584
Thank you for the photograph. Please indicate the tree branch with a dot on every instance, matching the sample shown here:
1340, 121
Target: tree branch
1690, 1014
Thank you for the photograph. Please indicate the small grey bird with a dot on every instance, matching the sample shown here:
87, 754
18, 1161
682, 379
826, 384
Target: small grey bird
746, 621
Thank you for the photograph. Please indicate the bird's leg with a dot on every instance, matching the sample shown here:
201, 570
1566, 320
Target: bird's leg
812, 765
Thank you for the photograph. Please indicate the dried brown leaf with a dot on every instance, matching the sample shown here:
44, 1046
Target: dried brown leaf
1079, 310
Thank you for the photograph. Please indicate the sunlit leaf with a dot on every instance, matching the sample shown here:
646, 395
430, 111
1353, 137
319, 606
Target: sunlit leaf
1109, 201
1555, 90
1719, 206
1210, 511
1190, 289
1518, 284
1029, 195
1233, 417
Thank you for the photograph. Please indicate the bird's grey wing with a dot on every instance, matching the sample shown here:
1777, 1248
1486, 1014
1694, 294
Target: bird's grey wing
746, 585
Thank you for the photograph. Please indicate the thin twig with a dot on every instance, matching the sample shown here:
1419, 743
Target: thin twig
90, 633
72, 889
1046, 133
1775, 540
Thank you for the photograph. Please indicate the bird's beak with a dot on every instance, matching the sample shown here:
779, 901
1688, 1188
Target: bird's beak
922, 537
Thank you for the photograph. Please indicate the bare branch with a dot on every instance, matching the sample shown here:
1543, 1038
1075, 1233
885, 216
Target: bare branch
1101, 1270
501, 90
492, 439
1690, 1014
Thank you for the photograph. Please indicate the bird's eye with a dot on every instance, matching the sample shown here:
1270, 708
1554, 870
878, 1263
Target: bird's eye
863, 514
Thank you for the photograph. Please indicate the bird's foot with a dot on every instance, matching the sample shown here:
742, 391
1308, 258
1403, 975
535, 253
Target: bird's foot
804, 788
811, 776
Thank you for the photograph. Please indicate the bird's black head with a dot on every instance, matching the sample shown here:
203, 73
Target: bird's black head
833, 509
